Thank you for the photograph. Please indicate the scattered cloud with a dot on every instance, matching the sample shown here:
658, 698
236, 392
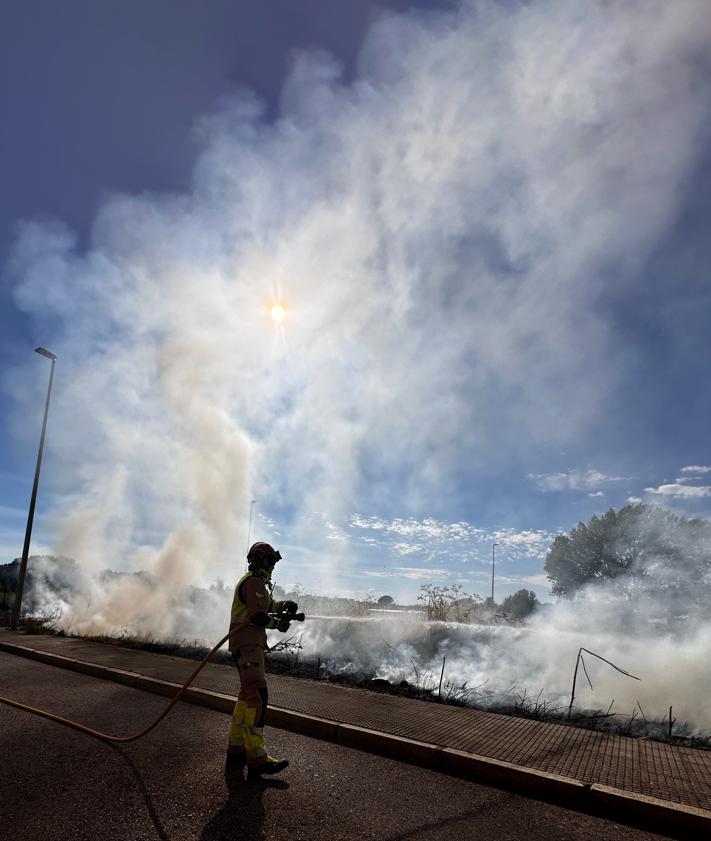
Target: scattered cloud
407, 548
412, 573
530, 544
634, 500
692, 473
268, 522
573, 480
681, 491
428, 528
541, 580
320, 527
596, 493
460, 541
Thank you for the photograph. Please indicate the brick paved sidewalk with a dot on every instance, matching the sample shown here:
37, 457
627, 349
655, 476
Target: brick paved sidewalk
675, 774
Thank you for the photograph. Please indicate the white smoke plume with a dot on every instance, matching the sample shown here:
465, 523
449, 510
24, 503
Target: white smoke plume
651, 621
646, 636
440, 230
538, 657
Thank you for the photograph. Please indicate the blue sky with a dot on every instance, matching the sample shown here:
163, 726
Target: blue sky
488, 223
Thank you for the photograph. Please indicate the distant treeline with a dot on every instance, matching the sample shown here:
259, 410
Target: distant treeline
54, 579
645, 554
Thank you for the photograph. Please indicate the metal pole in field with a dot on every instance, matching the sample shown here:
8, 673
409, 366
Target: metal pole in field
249, 527
493, 564
15, 618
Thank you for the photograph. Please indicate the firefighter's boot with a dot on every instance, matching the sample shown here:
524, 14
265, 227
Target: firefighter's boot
266, 765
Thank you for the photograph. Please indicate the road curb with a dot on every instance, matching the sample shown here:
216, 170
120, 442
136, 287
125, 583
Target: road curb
651, 813
675, 819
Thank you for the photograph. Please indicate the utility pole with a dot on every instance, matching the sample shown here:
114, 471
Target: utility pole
15, 618
493, 565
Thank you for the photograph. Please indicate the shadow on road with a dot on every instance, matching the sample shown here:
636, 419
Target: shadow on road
152, 814
465, 818
242, 816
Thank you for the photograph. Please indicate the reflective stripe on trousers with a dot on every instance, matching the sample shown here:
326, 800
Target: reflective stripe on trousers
247, 725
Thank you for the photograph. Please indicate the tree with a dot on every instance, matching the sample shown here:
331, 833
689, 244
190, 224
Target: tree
593, 551
385, 601
447, 603
520, 604
645, 549
364, 604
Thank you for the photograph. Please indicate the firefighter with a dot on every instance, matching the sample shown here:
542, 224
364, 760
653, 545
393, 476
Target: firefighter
252, 605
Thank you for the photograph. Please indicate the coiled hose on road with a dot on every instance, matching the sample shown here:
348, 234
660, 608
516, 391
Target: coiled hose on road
106, 737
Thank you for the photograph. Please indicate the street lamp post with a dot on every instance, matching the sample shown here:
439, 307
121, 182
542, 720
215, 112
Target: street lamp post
249, 527
15, 618
493, 564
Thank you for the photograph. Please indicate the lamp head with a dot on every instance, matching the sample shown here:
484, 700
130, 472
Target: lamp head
43, 352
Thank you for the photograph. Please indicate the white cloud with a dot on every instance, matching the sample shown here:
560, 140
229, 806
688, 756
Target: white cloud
634, 500
681, 491
536, 580
407, 548
573, 480
692, 473
267, 522
596, 493
530, 544
412, 573
427, 528
459, 541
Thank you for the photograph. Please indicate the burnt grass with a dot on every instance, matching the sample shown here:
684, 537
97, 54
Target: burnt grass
534, 707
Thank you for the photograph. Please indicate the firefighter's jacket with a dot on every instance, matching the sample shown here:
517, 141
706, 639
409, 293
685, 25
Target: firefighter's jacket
252, 601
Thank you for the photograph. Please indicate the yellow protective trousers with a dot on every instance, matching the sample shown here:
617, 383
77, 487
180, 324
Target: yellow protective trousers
247, 725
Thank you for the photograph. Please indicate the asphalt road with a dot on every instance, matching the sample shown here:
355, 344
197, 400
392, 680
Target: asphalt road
57, 784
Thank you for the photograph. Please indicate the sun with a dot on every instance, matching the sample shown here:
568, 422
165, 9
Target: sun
277, 313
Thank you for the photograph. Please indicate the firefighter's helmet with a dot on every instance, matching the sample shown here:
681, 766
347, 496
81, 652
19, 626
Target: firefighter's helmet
261, 556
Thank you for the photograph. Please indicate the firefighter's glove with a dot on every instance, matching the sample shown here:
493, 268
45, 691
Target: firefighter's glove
289, 607
281, 624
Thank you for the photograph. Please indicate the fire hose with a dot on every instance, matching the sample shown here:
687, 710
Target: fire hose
106, 737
